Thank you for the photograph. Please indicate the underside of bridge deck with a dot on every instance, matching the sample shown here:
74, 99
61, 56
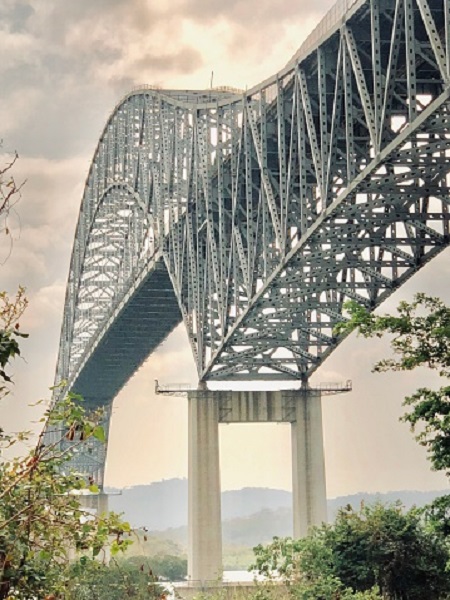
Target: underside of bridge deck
140, 326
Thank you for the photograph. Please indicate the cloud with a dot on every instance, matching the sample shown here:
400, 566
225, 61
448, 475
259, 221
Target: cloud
45, 303
15, 14
43, 222
104, 38
17, 48
18, 108
66, 63
250, 14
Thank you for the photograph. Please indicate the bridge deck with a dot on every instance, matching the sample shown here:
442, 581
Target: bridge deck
271, 208
141, 325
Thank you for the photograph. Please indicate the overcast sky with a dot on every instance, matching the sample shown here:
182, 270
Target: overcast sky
64, 66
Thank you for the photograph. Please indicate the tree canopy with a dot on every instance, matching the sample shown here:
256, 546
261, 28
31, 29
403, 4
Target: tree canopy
375, 552
50, 544
420, 338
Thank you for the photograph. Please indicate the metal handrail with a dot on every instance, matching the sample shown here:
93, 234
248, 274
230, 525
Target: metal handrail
173, 389
332, 18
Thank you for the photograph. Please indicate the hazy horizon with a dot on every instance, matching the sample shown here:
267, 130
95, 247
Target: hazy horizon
112, 489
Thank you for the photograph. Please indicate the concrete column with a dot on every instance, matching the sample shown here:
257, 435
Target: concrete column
308, 464
103, 505
204, 513
96, 502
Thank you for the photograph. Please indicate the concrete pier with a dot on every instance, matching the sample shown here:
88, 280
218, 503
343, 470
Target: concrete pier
308, 464
204, 514
301, 408
96, 502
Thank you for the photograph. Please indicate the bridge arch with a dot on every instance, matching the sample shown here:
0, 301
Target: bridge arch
268, 208
119, 237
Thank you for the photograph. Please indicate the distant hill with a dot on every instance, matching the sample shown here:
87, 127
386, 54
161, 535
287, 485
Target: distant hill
407, 498
262, 526
247, 501
163, 505
157, 506
247, 532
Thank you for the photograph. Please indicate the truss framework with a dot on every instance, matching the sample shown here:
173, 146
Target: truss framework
271, 208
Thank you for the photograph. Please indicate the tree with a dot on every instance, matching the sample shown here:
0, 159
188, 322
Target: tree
41, 519
10, 313
376, 552
10, 194
94, 580
166, 566
9, 188
49, 544
303, 565
306, 568
421, 337
388, 548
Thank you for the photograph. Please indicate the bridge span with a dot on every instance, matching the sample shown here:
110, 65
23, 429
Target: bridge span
253, 216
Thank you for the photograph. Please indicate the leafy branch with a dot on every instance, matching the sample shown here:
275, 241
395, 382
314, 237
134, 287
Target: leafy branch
10, 195
421, 338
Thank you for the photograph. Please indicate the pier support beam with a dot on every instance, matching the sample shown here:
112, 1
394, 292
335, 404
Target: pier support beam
308, 463
204, 514
303, 410
103, 504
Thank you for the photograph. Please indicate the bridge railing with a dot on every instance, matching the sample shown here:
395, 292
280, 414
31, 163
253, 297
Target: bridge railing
331, 388
331, 20
173, 389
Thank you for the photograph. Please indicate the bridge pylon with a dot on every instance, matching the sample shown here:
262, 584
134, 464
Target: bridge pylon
309, 496
204, 506
207, 409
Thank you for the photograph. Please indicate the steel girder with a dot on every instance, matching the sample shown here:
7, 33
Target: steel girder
267, 209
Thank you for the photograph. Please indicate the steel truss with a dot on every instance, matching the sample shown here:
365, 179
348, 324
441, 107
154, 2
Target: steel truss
269, 209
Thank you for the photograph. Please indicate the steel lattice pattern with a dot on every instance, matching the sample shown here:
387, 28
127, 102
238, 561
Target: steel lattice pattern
254, 216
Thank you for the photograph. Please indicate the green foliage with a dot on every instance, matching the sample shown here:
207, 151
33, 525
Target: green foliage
421, 331
10, 193
173, 568
430, 418
306, 567
41, 519
164, 566
10, 313
377, 552
93, 580
386, 547
278, 593
437, 516
421, 337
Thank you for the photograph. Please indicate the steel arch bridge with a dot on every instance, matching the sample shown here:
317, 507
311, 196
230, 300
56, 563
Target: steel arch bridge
253, 216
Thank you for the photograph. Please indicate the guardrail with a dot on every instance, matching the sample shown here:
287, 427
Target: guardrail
173, 389
332, 18
333, 388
